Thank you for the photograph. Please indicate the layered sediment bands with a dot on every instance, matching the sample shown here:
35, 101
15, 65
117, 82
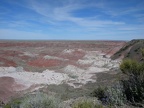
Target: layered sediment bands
29, 65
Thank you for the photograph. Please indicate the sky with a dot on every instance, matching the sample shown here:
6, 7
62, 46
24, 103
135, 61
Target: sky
72, 19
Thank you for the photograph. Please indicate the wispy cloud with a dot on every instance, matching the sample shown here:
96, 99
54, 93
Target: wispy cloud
63, 13
122, 7
58, 17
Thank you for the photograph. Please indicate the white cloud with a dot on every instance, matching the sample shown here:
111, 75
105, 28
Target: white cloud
55, 17
63, 13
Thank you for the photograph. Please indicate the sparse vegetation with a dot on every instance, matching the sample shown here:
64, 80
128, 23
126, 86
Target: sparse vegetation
13, 104
100, 93
87, 104
72, 76
130, 67
142, 52
115, 95
131, 50
37, 100
40, 100
134, 85
112, 95
131, 89
83, 104
127, 46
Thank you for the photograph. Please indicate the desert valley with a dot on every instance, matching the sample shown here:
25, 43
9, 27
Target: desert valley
30, 65
68, 69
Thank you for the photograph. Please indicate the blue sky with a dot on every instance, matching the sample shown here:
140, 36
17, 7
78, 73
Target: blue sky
72, 19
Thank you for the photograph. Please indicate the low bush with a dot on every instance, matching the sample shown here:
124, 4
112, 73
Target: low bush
112, 95
133, 87
37, 100
13, 104
115, 95
100, 93
40, 100
130, 67
86, 104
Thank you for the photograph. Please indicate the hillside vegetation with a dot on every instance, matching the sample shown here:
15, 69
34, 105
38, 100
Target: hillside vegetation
131, 50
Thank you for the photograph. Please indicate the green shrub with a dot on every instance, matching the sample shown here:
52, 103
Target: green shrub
98, 106
133, 87
86, 104
7, 106
142, 52
115, 95
13, 104
112, 95
40, 100
100, 93
37, 100
130, 67
130, 89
